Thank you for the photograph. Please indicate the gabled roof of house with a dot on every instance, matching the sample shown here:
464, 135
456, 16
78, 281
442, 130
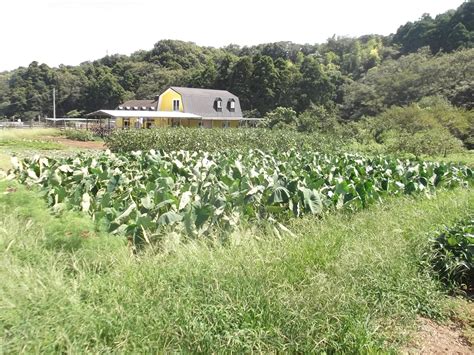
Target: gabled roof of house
202, 102
138, 103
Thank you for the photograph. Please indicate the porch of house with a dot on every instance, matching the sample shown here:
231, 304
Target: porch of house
154, 119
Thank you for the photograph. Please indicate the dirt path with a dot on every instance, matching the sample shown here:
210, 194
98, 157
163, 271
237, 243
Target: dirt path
77, 144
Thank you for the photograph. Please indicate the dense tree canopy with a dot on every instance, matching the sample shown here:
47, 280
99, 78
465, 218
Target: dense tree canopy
355, 77
446, 32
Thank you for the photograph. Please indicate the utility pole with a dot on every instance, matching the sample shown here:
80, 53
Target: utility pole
54, 105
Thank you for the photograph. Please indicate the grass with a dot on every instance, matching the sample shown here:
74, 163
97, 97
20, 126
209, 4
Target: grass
27, 133
346, 283
466, 157
15, 144
28, 142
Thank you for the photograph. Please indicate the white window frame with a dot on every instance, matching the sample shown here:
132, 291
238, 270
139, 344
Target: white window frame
232, 105
176, 104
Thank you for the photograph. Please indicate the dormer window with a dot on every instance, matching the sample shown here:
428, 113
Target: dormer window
120, 107
175, 105
218, 104
135, 107
128, 107
231, 105
143, 107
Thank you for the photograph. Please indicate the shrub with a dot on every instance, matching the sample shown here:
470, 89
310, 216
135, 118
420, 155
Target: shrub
412, 129
101, 131
79, 135
454, 254
431, 142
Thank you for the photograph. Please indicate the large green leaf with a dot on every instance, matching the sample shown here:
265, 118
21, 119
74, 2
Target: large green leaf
169, 218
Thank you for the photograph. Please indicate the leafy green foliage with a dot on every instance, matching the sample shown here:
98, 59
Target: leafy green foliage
432, 127
409, 79
79, 135
281, 118
217, 140
143, 193
447, 32
453, 255
317, 118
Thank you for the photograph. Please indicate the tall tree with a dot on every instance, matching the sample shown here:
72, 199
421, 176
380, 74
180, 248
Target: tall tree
314, 86
264, 83
240, 81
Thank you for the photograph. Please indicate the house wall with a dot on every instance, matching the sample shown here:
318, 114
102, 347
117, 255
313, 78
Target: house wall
159, 122
166, 101
219, 124
119, 122
168, 122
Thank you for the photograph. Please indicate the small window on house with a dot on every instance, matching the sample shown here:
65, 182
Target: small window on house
218, 104
232, 105
135, 107
126, 123
143, 107
225, 124
128, 107
120, 107
175, 105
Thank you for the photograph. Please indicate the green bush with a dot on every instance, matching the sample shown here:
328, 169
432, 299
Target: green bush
215, 140
417, 129
79, 135
431, 142
454, 254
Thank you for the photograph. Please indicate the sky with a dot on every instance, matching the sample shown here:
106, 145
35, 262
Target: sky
73, 31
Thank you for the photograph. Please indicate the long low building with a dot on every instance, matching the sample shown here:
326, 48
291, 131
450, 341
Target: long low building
179, 107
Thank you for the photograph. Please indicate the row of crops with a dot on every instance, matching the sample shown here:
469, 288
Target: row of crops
217, 140
146, 194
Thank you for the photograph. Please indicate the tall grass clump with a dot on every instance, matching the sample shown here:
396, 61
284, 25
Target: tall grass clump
452, 254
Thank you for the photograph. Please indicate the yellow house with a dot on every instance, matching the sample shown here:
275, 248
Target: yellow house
217, 108
179, 107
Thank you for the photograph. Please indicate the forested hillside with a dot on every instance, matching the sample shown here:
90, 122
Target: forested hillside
351, 76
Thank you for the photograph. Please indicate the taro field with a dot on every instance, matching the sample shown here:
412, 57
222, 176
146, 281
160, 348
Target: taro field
144, 194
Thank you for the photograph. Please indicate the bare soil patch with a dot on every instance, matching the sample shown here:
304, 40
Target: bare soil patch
78, 144
434, 338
